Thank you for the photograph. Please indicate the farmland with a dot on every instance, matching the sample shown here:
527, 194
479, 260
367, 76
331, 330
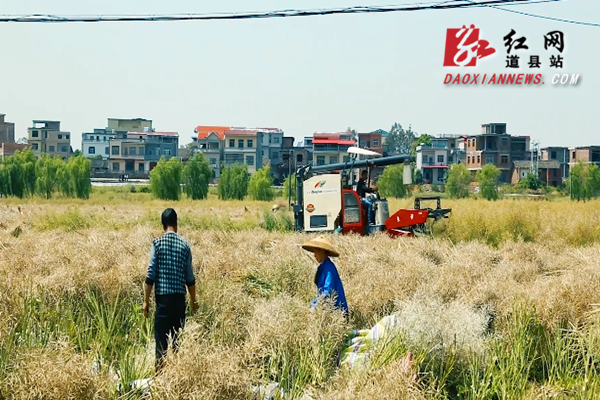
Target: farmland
500, 304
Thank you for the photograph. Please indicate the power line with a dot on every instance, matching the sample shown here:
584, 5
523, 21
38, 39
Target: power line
568, 21
450, 4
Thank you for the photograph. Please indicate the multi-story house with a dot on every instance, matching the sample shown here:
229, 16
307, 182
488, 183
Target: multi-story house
434, 160
560, 154
495, 146
331, 147
371, 141
7, 130
97, 143
243, 146
8, 149
209, 140
586, 154
139, 152
45, 137
129, 125
272, 140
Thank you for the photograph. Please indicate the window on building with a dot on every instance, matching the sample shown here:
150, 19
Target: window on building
105, 138
98, 138
34, 146
299, 158
250, 160
213, 161
276, 139
363, 143
231, 142
64, 149
92, 150
167, 152
250, 143
34, 133
504, 142
60, 136
440, 158
51, 149
132, 151
240, 143
553, 155
106, 150
333, 160
375, 142
346, 158
115, 150
478, 159
157, 151
141, 167
489, 159
45, 135
141, 153
573, 157
320, 160
504, 159
115, 166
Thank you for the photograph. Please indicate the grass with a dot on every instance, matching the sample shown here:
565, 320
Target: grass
500, 304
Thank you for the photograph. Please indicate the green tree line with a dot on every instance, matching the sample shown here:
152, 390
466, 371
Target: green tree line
22, 175
170, 178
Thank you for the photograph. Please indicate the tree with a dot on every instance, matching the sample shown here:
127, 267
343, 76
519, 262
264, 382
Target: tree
165, 179
584, 181
531, 182
286, 186
26, 162
458, 182
487, 178
77, 153
22, 140
391, 184
259, 187
48, 174
196, 176
353, 133
399, 141
424, 139
233, 183
79, 171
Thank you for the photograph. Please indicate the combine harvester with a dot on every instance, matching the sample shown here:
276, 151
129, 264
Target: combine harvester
327, 202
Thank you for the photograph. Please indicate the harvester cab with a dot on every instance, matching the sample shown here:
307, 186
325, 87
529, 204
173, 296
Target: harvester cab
329, 201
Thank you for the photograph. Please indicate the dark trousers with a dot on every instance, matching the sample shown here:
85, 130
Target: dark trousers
169, 319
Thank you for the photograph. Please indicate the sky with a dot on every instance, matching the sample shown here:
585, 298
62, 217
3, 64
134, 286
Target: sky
325, 73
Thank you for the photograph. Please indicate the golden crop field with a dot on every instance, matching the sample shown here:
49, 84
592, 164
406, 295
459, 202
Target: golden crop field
501, 304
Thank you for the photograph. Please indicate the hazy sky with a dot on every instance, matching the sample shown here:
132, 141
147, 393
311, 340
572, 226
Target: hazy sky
303, 75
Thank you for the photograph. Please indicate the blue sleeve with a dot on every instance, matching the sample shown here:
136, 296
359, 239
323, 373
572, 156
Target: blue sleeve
189, 272
324, 291
152, 267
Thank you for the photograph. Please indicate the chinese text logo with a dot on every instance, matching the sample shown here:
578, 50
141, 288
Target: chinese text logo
464, 48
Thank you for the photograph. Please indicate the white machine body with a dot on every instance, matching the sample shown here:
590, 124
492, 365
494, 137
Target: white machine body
322, 202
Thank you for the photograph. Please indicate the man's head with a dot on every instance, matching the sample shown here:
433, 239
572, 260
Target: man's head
363, 174
169, 219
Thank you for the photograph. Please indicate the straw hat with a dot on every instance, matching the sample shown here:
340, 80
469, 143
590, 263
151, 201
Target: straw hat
320, 243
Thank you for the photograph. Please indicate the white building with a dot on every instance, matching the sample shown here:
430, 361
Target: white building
97, 143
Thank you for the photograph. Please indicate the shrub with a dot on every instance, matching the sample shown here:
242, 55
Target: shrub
584, 181
196, 175
165, 179
488, 181
233, 183
391, 184
260, 184
459, 179
286, 187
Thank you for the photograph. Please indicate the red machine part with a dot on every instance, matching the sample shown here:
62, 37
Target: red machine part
405, 219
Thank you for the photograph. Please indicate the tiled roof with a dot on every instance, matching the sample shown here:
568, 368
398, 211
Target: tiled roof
174, 134
204, 131
334, 141
545, 164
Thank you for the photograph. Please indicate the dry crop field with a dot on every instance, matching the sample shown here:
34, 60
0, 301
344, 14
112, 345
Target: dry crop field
500, 304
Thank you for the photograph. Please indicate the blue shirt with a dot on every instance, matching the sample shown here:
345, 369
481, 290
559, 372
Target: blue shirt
170, 265
329, 284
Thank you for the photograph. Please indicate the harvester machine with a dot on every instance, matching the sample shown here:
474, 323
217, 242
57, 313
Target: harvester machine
326, 200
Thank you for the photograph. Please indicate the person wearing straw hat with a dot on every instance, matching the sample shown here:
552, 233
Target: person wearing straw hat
327, 279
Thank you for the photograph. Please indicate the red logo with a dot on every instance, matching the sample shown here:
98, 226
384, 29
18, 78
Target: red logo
464, 48
320, 184
310, 208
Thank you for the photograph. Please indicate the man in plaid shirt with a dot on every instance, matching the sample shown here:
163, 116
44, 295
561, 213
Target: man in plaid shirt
169, 271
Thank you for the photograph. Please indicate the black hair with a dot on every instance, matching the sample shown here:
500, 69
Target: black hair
169, 218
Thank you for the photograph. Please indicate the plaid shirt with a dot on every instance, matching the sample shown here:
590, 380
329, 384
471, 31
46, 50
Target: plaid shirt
170, 265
